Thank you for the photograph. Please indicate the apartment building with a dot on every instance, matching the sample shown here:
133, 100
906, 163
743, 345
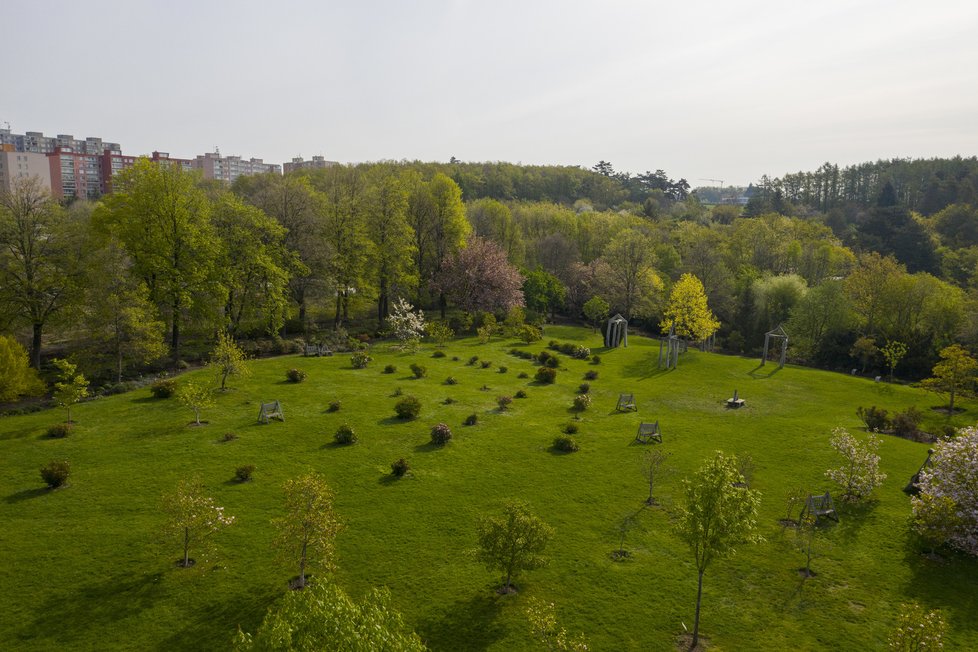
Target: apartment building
229, 168
14, 164
317, 162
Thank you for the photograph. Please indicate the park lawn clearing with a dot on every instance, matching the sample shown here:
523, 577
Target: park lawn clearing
84, 566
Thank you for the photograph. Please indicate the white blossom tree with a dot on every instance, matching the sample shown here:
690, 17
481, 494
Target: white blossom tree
406, 324
860, 473
193, 518
918, 630
946, 510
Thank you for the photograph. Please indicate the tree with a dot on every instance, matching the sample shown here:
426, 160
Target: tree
163, 221
627, 274
37, 265
717, 514
324, 617
946, 509
543, 292
17, 377
859, 475
309, 527
864, 349
688, 311
437, 215
596, 310
70, 387
513, 542
652, 462
893, 352
479, 278
196, 397
544, 627
392, 239
407, 325
228, 358
955, 371
918, 630
192, 518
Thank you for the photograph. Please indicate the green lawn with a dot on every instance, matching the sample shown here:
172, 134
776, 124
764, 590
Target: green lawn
83, 567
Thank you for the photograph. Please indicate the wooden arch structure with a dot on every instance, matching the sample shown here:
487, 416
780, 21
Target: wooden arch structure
777, 334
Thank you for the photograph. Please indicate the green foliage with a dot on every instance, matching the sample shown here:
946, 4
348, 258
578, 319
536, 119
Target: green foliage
504, 402
907, 423
55, 473
918, 630
546, 375
196, 396
390, 369
859, 475
360, 359
70, 387
439, 354
17, 378
192, 519
334, 406
569, 429
542, 617
471, 420
163, 388
227, 358
954, 372
307, 531
543, 291
324, 617
419, 371
451, 380
244, 472
596, 309
876, 419
566, 444
408, 407
345, 435
514, 542
295, 375
520, 393
59, 430
529, 334
439, 332
582, 402
441, 434
893, 353
687, 310
400, 467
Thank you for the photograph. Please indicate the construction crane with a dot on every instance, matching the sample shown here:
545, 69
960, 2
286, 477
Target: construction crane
720, 181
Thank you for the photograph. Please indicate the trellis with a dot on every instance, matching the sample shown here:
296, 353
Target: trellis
779, 335
616, 332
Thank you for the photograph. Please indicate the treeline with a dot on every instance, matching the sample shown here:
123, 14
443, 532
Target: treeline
122, 282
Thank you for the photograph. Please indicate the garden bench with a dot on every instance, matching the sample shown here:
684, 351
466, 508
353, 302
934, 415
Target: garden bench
819, 506
626, 402
270, 411
312, 350
648, 432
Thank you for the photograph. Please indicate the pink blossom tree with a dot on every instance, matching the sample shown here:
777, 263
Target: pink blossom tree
946, 510
480, 277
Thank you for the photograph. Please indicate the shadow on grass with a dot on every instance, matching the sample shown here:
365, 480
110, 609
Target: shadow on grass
466, 625
147, 399
428, 447
390, 421
26, 494
852, 518
756, 371
932, 572
246, 611
22, 433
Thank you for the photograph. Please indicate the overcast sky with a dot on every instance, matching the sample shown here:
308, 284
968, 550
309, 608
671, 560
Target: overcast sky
727, 90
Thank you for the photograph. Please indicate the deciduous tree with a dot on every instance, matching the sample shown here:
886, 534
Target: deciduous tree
596, 309
479, 278
192, 518
946, 509
308, 529
195, 396
544, 627
514, 542
543, 292
918, 630
228, 358
17, 377
859, 474
70, 387
392, 238
688, 311
955, 371
893, 352
717, 514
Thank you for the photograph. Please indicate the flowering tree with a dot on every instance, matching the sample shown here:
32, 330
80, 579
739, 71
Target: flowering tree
193, 518
918, 630
407, 325
480, 278
946, 510
861, 472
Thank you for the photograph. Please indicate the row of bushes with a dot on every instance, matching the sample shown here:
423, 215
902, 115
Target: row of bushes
903, 424
573, 350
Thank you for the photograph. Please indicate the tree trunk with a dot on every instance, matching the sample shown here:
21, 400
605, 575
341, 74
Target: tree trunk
443, 304
36, 346
696, 621
118, 360
302, 565
186, 547
337, 319
950, 407
175, 334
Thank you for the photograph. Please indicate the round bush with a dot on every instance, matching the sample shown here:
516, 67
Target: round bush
471, 420
390, 369
582, 402
438, 354
595, 359
334, 406
584, 388
228, 436
55, 474
400, 468
503, 370
454, 358
451, 380
504, 402
163, 388
523, 374
360, 359
441, 434
418, 370
295, 375
448, 400
570, 429
473, 360
243, 473
520, 394
59, 430
345, 435
591, 375
552, 362
546, 375
408, 407
566, 444
486, 364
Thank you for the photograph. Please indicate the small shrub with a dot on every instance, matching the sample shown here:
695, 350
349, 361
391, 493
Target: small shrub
455, 358
451, 380
408, 407
543, 356
243, 473
876, 419
486, 364
334, 406
360, 359
400, 468
397, 392
529, 334
595, 359
228, 436
345, 435
566, 444
582, 402
59, 430
390, 369
55, 474
523, 374
163, 388
419, 371
295, 375
581, 352
484, 388
504, 402
546, 375
584, 388
519, 394
503, 370
591, 375
906, 424
438, 354
570, 429
448, 400
471, 420
552, 362
441, 434
472, 360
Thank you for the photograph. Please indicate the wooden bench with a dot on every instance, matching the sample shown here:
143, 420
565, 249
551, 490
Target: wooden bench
735, 402
626, 402
819, 506
270, 411
648, 432
316, 350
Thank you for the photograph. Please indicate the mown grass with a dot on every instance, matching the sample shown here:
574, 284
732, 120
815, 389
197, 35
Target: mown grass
83, 567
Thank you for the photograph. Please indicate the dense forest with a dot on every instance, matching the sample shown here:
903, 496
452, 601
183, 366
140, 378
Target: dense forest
849, 261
